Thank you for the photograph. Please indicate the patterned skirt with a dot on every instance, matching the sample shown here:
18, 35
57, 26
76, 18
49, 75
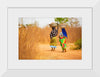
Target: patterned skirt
63, 43
63, 46
53, 42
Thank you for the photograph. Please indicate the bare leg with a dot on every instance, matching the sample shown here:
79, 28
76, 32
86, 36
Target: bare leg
51, 49
65, 50
62, 50
54, 49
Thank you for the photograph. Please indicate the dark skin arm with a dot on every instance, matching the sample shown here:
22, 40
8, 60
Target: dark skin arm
57, 26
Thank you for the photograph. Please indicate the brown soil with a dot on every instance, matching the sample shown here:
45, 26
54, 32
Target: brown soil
46, 53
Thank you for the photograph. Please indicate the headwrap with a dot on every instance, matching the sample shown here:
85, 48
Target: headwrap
61, 34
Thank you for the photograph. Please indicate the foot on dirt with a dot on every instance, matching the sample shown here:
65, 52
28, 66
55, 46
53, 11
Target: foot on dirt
65, 50
51, 49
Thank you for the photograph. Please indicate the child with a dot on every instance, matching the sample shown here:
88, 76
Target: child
62, 41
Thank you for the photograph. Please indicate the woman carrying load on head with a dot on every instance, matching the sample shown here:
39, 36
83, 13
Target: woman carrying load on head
62, 37
62, 41
53, 34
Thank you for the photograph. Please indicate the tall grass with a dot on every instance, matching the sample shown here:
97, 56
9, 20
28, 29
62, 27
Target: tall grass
27, 43
31, 36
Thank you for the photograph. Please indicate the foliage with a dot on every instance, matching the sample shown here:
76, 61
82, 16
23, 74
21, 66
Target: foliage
78, 43
29, 25
61, 20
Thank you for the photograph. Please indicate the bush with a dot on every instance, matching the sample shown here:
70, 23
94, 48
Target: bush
78, 44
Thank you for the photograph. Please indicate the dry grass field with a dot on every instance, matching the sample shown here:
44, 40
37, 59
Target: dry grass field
34, 43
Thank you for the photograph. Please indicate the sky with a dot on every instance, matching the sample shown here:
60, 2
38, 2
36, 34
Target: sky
42, 22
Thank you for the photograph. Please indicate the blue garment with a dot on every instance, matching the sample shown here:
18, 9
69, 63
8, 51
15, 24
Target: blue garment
64, 32
53, 46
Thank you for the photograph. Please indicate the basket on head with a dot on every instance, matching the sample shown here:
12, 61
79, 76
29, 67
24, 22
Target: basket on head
53, 24
63, 25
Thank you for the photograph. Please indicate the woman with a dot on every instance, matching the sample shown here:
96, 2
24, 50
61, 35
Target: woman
62, 41
62, 37
53, 34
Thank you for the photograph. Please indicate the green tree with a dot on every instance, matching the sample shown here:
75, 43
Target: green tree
60, 20
78, 43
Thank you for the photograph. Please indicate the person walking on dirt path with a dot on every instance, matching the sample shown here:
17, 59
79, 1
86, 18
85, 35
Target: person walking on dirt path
62, 41
62, 37
53, 34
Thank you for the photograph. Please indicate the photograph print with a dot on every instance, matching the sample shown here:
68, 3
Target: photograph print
50, 38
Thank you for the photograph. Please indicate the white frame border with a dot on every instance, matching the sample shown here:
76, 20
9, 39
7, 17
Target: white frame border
3, 50
88, 68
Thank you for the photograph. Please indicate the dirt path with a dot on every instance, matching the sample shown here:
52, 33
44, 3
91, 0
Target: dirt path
46, 53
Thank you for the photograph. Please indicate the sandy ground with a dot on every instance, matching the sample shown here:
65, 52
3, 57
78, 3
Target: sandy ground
46, 53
